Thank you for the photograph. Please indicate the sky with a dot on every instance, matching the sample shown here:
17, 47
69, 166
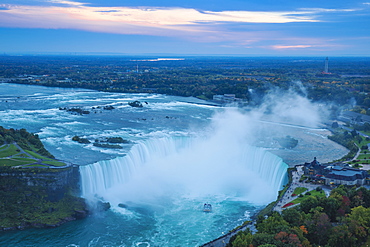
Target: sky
186, 27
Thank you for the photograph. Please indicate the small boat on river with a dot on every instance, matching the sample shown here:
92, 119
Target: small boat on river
207, 207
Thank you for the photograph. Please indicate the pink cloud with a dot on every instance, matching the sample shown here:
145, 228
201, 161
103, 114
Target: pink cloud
278, 47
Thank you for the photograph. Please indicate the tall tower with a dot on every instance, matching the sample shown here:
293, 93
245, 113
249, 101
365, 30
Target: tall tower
326, 69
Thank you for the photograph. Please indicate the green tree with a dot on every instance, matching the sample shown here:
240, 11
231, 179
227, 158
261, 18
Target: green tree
273, 224
361, 215
309, 203
331, 206
243, 239
293, 216
342, 237
260, 239
318, 228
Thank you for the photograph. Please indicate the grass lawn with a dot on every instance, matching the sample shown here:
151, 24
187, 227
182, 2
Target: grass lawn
14, 162
25, 160
35, 165
54, 163
363, 156
8, 151
36, 155
299, 190
313, 193
21, 155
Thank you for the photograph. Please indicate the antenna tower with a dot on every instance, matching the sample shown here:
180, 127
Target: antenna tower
326, 69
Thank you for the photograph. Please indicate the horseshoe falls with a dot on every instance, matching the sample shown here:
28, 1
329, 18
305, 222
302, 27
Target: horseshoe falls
184, 163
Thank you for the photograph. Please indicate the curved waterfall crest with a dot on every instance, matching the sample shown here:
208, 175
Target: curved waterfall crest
186, 160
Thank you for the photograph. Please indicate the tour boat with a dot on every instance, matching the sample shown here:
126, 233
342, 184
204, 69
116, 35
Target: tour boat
207, 207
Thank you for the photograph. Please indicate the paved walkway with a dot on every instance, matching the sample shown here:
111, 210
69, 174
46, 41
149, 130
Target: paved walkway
287, 197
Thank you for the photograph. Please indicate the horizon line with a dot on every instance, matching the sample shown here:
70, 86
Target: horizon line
4, 54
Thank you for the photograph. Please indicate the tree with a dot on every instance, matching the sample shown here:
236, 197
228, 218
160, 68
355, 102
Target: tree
243, 239
292, 216
331, 206
273, 224
335, 125
261, 239
361, 215
288, 239
309, 203
342, 237
318, 228
9, 139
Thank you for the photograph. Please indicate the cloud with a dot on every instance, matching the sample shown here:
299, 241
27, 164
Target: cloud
165, 18
321, 10
62, 14
67, 2
234, 27
290, 46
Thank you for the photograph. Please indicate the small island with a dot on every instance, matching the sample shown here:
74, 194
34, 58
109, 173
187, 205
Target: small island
104, 142
36, 190
77, 110
287, 142
135, 103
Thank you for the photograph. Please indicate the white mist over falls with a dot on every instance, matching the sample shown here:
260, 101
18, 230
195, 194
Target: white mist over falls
217, 161
220, 163
181, 154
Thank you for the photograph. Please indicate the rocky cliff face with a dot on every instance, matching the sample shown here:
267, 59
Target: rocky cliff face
39, 197
56, 182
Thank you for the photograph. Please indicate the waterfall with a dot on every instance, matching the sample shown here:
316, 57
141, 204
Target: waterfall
195, 164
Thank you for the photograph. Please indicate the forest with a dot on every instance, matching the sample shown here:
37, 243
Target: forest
340, 220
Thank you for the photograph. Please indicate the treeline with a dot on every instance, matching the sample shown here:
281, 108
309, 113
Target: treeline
347, 139
247, 78
340, 220
26, 140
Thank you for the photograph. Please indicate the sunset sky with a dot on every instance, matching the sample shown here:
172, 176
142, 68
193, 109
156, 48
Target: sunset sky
191, 27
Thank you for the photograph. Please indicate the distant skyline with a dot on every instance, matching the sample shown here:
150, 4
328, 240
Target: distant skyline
206, 27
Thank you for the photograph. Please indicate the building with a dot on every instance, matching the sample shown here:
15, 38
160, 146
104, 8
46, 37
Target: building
346, 175
354, 117
228, 99
314, 168
335, 174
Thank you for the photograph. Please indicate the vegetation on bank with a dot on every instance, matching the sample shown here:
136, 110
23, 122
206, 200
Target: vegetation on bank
340, 220
31, 194
25, 140
24, 206
353, 141
21, 149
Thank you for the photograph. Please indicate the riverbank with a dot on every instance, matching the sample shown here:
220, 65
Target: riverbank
285, 196
36, 190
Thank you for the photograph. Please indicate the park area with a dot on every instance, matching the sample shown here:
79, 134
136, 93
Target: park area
302, 193
14, 156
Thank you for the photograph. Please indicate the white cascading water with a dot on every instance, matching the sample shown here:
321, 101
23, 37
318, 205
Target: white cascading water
186, 166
